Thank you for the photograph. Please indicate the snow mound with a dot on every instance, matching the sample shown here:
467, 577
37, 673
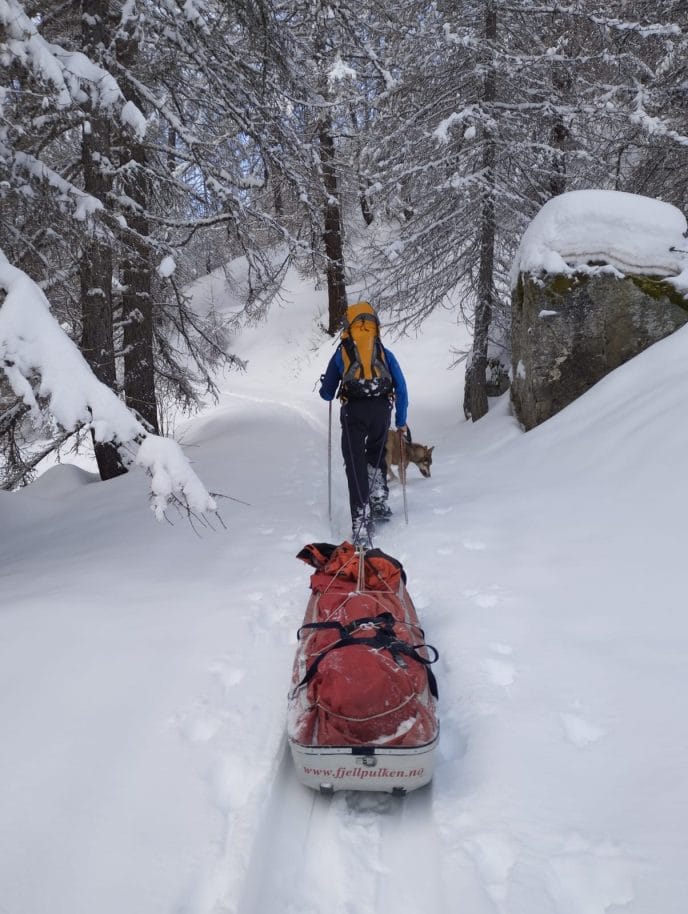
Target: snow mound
60, 481
629, 232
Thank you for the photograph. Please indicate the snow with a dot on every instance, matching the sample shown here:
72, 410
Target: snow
145, 667
443, 132
132, 116
579, 230
166, 267
339, 71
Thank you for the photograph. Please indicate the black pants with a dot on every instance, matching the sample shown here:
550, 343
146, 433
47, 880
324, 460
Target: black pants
365, 424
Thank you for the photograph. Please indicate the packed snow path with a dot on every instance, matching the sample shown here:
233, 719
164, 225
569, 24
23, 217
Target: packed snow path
145, 668
346, 847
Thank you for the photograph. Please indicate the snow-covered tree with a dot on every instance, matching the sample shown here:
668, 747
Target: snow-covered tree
498, 106
52, 379
133, 129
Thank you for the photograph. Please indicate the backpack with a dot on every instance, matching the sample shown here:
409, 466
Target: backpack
366, 373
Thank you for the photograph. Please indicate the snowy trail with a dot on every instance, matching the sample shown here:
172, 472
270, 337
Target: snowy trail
146, 667
311, 854
352, 847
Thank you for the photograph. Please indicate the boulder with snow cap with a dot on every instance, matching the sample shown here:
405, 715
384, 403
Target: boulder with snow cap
599, 276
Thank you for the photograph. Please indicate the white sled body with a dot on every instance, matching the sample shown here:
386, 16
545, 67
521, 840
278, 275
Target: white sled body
386, 770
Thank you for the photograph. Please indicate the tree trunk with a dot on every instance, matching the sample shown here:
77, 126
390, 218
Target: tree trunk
363, 183
475, 397
277, 196
137, 299
334, 232
97, 342
559, 134
366, 211
137, 314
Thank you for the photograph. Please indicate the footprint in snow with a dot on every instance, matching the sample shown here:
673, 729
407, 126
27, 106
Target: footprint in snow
579, 731
506, 650
454, 742
501, 672
230, 782
494, 857
590, 877
200, 730
482, 599
228, 674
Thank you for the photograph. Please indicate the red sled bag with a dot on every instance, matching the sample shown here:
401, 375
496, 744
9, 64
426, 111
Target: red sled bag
362, 710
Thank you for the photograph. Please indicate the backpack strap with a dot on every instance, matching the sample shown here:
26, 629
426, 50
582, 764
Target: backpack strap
354, 359
380, 360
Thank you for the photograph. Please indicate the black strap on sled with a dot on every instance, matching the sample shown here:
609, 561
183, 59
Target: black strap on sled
385, 621
383, 639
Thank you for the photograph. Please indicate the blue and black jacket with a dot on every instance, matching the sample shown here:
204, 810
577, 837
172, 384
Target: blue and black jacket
335, 369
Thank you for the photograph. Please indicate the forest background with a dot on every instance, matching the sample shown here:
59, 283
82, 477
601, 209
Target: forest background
144, 143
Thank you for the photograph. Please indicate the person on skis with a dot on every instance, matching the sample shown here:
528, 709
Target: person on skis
368, 381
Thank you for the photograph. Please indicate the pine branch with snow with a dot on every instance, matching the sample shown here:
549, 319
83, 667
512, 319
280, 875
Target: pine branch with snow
41, 363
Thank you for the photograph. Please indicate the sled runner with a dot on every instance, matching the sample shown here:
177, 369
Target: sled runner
362, 709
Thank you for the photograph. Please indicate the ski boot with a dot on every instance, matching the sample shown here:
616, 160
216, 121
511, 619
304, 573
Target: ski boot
377, 484
380, 510
363, 529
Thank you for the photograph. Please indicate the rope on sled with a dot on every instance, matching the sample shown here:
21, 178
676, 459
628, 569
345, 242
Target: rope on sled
363, 566
362, 720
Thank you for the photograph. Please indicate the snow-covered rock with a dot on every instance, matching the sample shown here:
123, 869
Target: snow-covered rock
599, 276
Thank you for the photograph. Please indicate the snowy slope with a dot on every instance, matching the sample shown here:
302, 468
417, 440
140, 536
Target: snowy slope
144, 667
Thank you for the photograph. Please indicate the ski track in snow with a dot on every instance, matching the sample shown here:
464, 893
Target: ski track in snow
295, 851
306, 414
315, 854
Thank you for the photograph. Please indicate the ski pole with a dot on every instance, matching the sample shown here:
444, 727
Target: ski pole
329, 467
402, 471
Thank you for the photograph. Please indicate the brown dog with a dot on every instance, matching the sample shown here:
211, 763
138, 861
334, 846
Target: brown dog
413, 453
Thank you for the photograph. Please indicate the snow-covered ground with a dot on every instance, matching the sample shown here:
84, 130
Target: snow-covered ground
144, 668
